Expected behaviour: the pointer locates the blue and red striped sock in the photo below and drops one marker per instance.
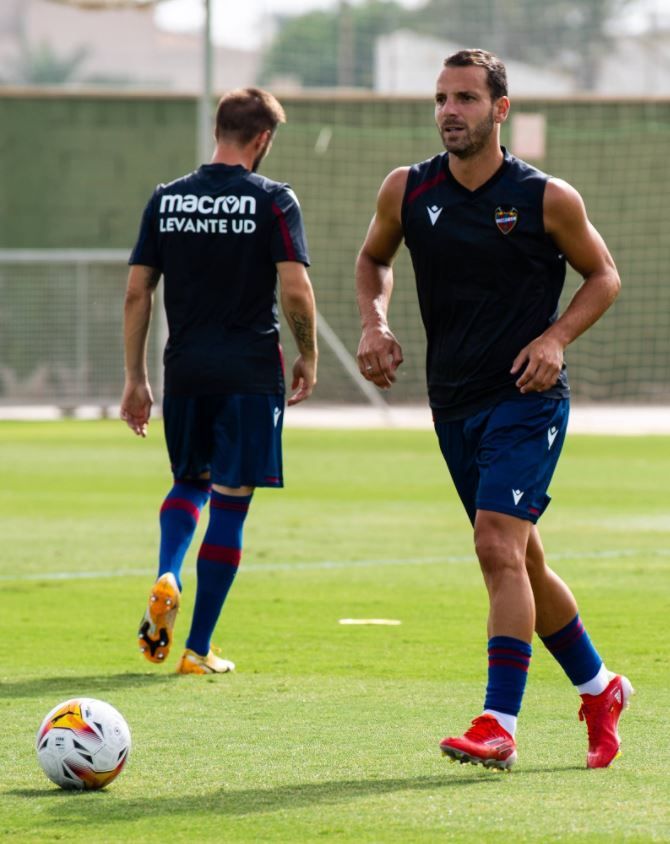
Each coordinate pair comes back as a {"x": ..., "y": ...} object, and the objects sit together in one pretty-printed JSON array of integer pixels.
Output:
[
  {"x": 218, "y": 560},
  {"x": 178, "y": 520},
  {"x": 509, "y": 660},
  {"x": 573, "y": 650}
]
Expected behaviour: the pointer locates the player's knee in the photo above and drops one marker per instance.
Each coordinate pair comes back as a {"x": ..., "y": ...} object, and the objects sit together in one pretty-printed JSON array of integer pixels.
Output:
[
  {"x": 497, "y": 554},
  {"x": 234, "y": 491},
  {"x": 191, "y": 479}
]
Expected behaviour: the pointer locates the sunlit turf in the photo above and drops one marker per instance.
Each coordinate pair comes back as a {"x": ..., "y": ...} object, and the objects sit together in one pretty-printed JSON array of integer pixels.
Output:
[{"x": 325, "y": 731}]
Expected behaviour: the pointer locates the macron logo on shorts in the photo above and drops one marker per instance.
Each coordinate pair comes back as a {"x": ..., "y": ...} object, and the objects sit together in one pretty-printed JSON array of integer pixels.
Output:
[
  {"x": 551, "y": 435},
  {"x": 517, "y": 495}
]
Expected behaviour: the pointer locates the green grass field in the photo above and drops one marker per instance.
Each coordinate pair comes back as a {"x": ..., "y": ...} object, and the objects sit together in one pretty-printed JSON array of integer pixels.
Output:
[{"x": 325, "y": 732}]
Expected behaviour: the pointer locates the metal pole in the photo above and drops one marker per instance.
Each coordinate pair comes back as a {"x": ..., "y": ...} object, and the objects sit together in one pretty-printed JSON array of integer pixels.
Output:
[
  {"x": 82, "y": 363},
  {"x": 205, "y": 140},
  {"x": 341, "y": 352}
]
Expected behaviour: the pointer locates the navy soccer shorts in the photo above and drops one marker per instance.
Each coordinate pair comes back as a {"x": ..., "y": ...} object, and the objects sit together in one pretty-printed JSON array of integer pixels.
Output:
[
  {"x": 503, "y": 458},
  {"x": 236, "y": 438}
]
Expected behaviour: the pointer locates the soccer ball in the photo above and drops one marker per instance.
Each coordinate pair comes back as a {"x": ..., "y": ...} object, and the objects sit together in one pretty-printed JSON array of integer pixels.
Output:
[{"x": 83, "y": 743}]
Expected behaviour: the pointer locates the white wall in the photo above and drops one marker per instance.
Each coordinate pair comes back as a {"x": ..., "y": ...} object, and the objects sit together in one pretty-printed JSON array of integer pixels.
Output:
[{"x": 408, "y": 63}]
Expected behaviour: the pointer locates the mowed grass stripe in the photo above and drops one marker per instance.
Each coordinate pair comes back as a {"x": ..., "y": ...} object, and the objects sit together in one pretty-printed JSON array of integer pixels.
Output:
[{"x": 252, "y": 568}]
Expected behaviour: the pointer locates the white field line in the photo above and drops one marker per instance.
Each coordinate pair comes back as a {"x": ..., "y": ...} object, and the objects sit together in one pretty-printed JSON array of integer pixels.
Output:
[
  {"x": 326, "y": 565},
  {"x": 630, "y": 420}
]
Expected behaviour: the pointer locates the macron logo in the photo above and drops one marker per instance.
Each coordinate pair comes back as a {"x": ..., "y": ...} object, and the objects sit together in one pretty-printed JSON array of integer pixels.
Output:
[
  {"x": 517, "y": 495},
  {"x": 434, "y": 212},
  {"x": 551, "y": 435},
  {"x": 175, "y": 203},
  {"x": 277, "y": 414}
]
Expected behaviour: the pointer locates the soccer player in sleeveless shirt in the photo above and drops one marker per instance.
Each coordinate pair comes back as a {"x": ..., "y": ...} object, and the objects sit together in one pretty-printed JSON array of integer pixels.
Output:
[
  {"x": 220, "y": 237},
  {"x": 489, "y": 236}
]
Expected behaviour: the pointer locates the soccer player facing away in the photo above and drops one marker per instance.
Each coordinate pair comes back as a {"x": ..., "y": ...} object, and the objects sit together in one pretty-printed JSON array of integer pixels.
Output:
[
  {"x": 220, "y": 237},
  {"x": 489, "y": 236}
]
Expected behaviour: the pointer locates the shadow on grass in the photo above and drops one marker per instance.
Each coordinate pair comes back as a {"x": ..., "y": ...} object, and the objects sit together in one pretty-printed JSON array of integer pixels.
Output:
[
  {"x": 102, "y": 806},
  {"x": 85, "y": 685}
]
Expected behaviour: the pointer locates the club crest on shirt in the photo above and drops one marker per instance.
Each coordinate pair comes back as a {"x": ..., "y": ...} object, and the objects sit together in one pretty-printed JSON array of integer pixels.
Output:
[{"x": 506, "y": 219}]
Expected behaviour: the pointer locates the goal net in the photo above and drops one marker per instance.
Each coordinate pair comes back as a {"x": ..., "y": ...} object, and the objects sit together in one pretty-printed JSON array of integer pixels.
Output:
[
  {"x": 60, "y": 318},
  {"x": 590, "y": 104},
  {"x": 337, "y": 153}
]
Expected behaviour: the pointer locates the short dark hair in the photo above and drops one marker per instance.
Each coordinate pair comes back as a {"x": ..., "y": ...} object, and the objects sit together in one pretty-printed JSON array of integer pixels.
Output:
[
  {"x": 246, "y": 112},
  {"x": 496, "y": 75}
]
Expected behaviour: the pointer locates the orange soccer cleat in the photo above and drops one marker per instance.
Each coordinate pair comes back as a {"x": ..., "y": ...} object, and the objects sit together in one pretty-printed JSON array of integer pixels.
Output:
[
  {"x": 601, "y": 713},
  {"x": 194, "y": 663},
  {"x": 485, "y": 743},
  {"x": 155, "y": 633}
]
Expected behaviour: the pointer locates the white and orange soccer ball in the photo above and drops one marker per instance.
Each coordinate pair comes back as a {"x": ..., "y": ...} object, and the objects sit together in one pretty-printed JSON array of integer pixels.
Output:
[{"x": 83, "y": 743}]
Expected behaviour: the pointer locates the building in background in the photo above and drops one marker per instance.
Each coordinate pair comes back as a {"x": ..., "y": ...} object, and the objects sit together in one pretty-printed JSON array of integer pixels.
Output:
[
  {"x": 635, "y": 64},
  {"x": 408, "y": 63},
  {"x": 49, "y": 43}
]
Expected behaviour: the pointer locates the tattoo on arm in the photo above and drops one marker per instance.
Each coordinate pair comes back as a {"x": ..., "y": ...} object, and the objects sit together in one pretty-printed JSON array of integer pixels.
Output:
[{"x": 303, "y": 331}]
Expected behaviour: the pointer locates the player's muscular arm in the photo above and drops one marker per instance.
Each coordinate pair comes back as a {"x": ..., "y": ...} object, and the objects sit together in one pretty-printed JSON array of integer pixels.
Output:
[
  {"x": 297, "y": 300},
  {"x": 566, "y": 222},
  {"x": 379, "y": 353},
  {"x": 137, "y": 397}
]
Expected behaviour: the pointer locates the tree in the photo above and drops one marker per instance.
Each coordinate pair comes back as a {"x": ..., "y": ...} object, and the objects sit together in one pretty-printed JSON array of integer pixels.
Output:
[
  {"x": 567, "y": 35},
  {"x": 330, "y": 48},
  {"x": 41, "y": 65}
]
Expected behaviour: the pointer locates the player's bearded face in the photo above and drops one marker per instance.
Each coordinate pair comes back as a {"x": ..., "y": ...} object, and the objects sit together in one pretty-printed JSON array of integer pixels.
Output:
[{"x": 464, "y": 139}]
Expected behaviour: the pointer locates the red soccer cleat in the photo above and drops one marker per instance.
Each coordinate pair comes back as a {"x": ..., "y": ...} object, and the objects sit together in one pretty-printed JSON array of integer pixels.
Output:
[
  {"x": 601, "y": 713},
  {"x": 485, "y": 743}
]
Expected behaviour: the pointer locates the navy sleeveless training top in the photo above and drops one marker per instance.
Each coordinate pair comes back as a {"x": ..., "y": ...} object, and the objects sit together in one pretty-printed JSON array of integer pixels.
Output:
[
  {"x": 488, "y": 279},
  {"x": 216, "y": 235}
]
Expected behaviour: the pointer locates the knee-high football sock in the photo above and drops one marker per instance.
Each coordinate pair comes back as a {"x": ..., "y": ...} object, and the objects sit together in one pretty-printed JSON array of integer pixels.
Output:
[
  {"x": 509, "y": 660},
  {"x": 218, "y": 560},
  {"x": 178, "y": 520},
  {"x": 573, "y": 650}
]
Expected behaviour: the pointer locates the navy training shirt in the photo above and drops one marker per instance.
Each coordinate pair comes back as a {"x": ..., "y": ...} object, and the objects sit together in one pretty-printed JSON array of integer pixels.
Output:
[
  {"x": 488, "y": 279},
  {"x": 216, "y": 236}
]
